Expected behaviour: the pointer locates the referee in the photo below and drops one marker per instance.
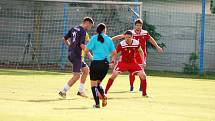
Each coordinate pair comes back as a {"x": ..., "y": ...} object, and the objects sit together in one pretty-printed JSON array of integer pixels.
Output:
[{"x": 102, "y": 47}]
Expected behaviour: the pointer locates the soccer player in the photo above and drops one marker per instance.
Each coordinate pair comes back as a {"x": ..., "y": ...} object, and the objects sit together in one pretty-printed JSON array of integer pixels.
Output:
[
  {"x": 127, "y": 62},
  {"x": 76, "y": 45},
  {"x": 142, "y": 36},
  {"x": 101, "y": 46}
]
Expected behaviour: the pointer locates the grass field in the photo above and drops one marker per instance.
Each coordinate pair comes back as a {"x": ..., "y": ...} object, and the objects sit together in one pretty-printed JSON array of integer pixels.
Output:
[{"x": 32, "y": 96}]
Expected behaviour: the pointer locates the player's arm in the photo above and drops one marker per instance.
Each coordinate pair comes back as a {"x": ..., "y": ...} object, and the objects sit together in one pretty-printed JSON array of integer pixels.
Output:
[
  {"x": 118, "y": 37},
  {"x": 112, "y": 50},
  {"x": 113, "y": 56},
  {"x": 153, "y": 42},
  {"x": 141, "y": 54},
  {"x": 89, "y": 55},
  {"x": 66, "y": 37},
  {"x": 87, "y": 51},
  {"x": 115, "y": 53},
  {"x": 66, "y": 41}
]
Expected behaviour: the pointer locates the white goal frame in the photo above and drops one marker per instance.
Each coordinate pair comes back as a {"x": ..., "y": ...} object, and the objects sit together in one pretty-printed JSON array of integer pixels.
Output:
[{"x": 138, "y": 4}]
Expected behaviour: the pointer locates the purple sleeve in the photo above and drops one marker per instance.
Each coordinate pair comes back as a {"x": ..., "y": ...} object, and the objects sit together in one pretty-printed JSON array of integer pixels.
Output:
[{"x": 68, "y": 35}]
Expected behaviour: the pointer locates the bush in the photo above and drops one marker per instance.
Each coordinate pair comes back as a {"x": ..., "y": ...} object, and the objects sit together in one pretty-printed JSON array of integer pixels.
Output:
[
  {"x": 152, "y": 31},
  {"x": 192, "y": 67}
]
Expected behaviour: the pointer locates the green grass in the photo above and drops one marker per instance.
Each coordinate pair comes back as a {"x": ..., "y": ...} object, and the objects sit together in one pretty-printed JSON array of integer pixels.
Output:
[
  {"x": 32, "y": 96},
  {"x": 207, "y": 75}
]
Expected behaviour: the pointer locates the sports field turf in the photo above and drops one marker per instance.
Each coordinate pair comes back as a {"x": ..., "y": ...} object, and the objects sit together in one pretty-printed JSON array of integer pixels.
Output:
[{"x": 33, "y": 96}]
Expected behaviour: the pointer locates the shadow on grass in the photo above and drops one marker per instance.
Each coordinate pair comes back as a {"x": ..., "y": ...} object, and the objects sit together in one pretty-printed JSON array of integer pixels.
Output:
[
  {"x": 116, "y": 92},
  {"x": 75, "y": 108},
  {"x": 49, "y": 100},
  {"x": 38, "y": 101},
  {"x": 125, "y": 98},
  {"x": 27, "y": 72}
]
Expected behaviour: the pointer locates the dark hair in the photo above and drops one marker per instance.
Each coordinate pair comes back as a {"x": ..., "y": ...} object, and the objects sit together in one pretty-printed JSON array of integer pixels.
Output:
[
  {"x": 89, "y": 19},
  {"x": 128, "y": 33},
  {"x": 99, "y": 29},
  {"x": 138, "y": 21}
]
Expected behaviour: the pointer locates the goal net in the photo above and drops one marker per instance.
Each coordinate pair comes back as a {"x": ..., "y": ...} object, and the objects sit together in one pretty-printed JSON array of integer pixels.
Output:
[{"x": 31, "y": 31}]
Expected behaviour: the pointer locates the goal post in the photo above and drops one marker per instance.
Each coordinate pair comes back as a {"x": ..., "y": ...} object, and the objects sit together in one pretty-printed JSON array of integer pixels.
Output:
[
  {"x": 135, "y": 7},
  {"x": 138, "y": 5},
  {"x": 47, "y": 21}
]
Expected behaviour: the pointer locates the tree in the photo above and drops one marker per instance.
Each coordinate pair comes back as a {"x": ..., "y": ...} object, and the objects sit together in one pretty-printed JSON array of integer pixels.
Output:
[
  {"x": 152, "y": 31},
  {"x": 212, "y": 6}
]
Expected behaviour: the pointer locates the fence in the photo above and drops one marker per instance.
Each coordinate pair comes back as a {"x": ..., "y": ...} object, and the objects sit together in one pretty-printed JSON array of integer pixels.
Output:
[
  {"x": 179, "y": 23},
  {"x": 43, "y": 24}
]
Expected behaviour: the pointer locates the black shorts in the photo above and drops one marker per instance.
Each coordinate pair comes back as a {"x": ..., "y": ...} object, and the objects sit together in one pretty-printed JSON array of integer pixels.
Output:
[{"x": 98, "y": 69}]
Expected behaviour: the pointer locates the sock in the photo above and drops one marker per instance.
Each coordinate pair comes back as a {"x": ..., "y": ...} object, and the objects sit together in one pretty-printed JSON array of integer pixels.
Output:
[
  {"x": 66, "y": 88},
  {"x": 95, "y": 94},
  {"x": 81, "y": 87},
  {"x": 140, "y": 89},
  {"x": 131, "y": 78},
  {"x": 100, "y": 89},
  {"x": 144, "y": 86},
  {"x": 110, "y": 82}
]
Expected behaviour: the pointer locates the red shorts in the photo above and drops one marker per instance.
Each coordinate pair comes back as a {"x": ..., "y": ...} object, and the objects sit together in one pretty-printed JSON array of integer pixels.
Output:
[{"x": 130, "y": 67}]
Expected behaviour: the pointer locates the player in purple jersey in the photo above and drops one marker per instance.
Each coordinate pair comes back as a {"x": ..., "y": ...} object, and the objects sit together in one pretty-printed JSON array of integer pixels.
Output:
[{"x": 76, "y": 45}]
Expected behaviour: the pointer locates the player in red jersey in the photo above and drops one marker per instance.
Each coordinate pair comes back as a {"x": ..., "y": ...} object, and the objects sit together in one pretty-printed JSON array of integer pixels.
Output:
[
  {"x": 142, "y": 36},
  {"x": 127, "y": 62}
]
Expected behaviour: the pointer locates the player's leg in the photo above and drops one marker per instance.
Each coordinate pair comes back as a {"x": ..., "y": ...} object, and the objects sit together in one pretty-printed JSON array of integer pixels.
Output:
[
  {"x": 69, "y": 84},
  {"x": 76, "y": 75},
  {"x": 85, "y": 72},
  {"x": 142, "y": 76},
  {"x": 104, "y": 66},
  {"x": 101, "y": 94},
  {"x": 137, "y": 69},
  {"x": 144, "y": 66},
  {"x": 95, "y": 93},
  {"x": 131, "y": 79},
  {"x": 94, "y": 82},
  {"x": 119, "y": 67},
  {"x": 101, "y": 77},
  {"x": 111, "y": 79},
  {"x": 98, "y": 71},
  {"x": 140, "y": 88}
]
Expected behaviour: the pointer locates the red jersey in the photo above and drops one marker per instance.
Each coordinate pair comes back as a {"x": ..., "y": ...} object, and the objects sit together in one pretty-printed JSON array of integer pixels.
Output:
[
  {"x": 142, "y": 37},
  {"x": 128, "y": 51}
]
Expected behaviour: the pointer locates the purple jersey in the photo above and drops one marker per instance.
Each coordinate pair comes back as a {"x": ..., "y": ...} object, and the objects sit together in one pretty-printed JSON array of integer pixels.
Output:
[{"x": 77, "y": 37}]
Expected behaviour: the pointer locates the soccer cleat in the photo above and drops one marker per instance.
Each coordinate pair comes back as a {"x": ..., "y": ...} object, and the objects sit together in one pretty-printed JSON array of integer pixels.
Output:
[
  {"x": 131, "y": 89},
  {"x": 62, "y": 94},
  {"x": 104, "y": 101},
  {"x": 96, "y": 106},
  {"x": 82, "y": 94},
  {"x": 146, "y": 96}
]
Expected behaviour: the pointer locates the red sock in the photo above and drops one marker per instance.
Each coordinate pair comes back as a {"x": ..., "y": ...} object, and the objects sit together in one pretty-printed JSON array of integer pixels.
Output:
[
  {"x": 131, "y": 78},
  {"x": 110, "y": 82},
  {"x": 144, "y": 86}
]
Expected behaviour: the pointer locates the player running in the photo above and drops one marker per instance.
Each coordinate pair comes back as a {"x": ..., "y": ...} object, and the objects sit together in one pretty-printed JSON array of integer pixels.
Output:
[
  {"x": 142, "y": 36},
  {"x": 76, "y": 45},
  {"x": 127, "y": 62}
]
